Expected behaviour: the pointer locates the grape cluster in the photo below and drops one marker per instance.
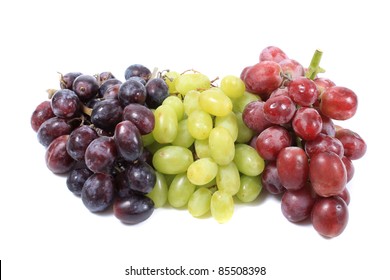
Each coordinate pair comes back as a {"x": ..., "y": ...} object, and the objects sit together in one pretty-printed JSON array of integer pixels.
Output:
[{"x": 308, "y": 157}]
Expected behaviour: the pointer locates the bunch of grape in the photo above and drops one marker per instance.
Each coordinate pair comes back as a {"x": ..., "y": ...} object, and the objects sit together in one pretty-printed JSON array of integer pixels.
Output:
[{"x": 308, "y": 157}]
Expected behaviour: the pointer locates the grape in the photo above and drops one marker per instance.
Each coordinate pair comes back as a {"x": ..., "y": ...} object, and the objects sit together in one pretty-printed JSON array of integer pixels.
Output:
[
  {"x": 106, "y": 114},
  {"x": 109, "y": 88},
  {"x": 328, "y": 126},
  {"x": 254, "y": 117},
  {"x": 57, "y": 159},
  {"x": 76, "y": 179},
  {"x": 279, "y": 109},
  {"x": 122, "y": 186},
  {"x": 51, "y": 129},
  {"x": 297, "y": 204},
  {"x": 354, "y": 145},
  {"x": 141, "y": 116},
  {"x": 345, "y": 196},
  {"x": 228, "y": 178},
  {"x": 199, "y": 202},
  {"x": 66, "y": 81},
  {"x": 177, "y": 104},
  {"x": 221, "y": 145},
  {"x": 202, "y": 148},
  {"x": 307, "y": 123},
  {"x": 240, "y": 103},
  {"x": 232, "y": 86},
  {"x": 132, "y": 91},
  {"x": 191, "y": 102},
  {"x": 183, "y": 137},
  {"x": 292, "y": 68},
  {"x": 138, "y": 70},
  {"x": 104, "y": 76},
  {"x": 141, "y": 177},
  {"x": 169, "y": 78},
  {"x": 248, "y": 160},
  {"x": 199, "y": 124},
  {"x": 133, "y": 209},
  {"x": 191, "y": 81},
  {"x": 215, "y": 102},
  {"x": 180, "y": 191},
  {"x": 293, "y": 167},
  {"x": 221, "y": 206},
  {"x": 250, "y": 188},
  {"x": 86, "y": 87},
  {"x": 338, "y": 103},
  {"x": 159, "y": 193},
  {"x": 271, "y": 141},
  {"x": 323, "y": 143},
  {"x": 65, "y": 104},
  {"x": 348, "y": 167},
  {"x": 303, "y": 91},
  {"x": 172, "y": 159},
  {"x": 272, "y": 53},
  {"x": 42, "y": 113},
  {"x": 101, "y": 154},
  {"x": 229, "y": 122},
  {"x": 202, "y": 171},
  {"x": 79, "y": 140},
  {"x": 270, "y": 179},
  {"x": 327, "y": 174},
  {"x": 98, "y": 192},
  {"x": 330, "y": 216},
  {"x": 323, "y": 84},
  {"x": 156, "y": 92},
  {"x": 244, "y": 133},
  {"x": 166, "y": 124},
  {"x": 128, "y": 140}
]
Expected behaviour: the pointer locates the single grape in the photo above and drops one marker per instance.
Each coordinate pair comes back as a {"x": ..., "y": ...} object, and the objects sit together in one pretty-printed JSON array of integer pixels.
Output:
[
  {"x": 248, "y": 160},
  {"x": 323, "y": 84},
  {"x": 339, "y": 103},
  {"x": 180, "y": 191},
  {"x": 297, "y": 204},
  {"x": 250, "y": 188},
  {"x": 200, "y": 124},
  {"x": 254, "y": 118},
  {"x": 76, "y": 179},
  {"x": 101, "y": 154},
  {"x": 109, "y": 88},
  {"x": 221, "y": 145},
  {"x": 106, "y": 114},
  {"x": 141, "y": 116},
  {"x": 202, "y": 149},
  {"x": 177, "y": 104},
  {"x": 156, "y": 92},
  {"x": 244, "y": 134},
  {"x": 132, "y": 91},
  {"x": 272, "y": 53},
  {"x": 354, "y": 145},
  {"x": 215, "y": 102},
  {"x": 133, "y": 209},
  {"x": 98, "y": 192},
  {"x": 221, "y": 206},
  {"x": 328, "y": 126},
  {"x": 122, "y": 186},
  {"x": 330, "y": 216},
  {"x": 279, "y": 109},
  {"x": 79, "y": 140},
  {"x": 141, "y": 177},
  {"x": 191, "y": 81},
  {"x": 138, "y": 70},
  {"x": 228, "y": 178},
  {"x": 104, "y": 76},
  {"x": 159, "y": 193},
  {"x": 166, "y": 124},
  {"x": 345, "y": 196},
  {"x": 169, "y": 78},
  {"x": 202, "y": 171},
  {"x": 42, "y": 113},
  {"x": 232, "y": 86},
  {"x": 307, "y": 123},
  {"x": 229, "y": 122},
  {"x": 183, "y": 137},
  {"x": 172, "y": 159},
  {"x": 292, "y": 68},
  {"x": 271, "y": 141},
  {"x": 270, "y": 179},
  {"x": 86, "y": 87},
  {"x": 323, "y": 143},
  {"x": 199, "y": 202},
  {"x": 57, "y": 159},
  {"x": 66, "y": 81},
  {"x": 51, "y": 129},
  {"x": 349, "y": 167},
  {"x": 191, "y": 102},
  {"x": 65, "y": 104},
  {"x": 128, "y": 140},
  {"x": 303, "y": 91},
  {"x": 241, "y": 102}
]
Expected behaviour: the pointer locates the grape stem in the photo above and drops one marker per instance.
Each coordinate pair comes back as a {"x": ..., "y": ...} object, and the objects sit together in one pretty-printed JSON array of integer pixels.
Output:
[{"x": 314, "y": 67}]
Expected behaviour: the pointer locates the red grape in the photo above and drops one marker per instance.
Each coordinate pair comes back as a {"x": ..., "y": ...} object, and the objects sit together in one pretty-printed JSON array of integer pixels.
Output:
[
  {"x": 279, "y": 109},
  {"x": 271, "y": 141},
  {"x": 307, "y": 123},
  {"x": 297, "y": 204},
  {"x": 270, "y": 179},
  {"x": 303, "y": 91},
  {"x": 42, "y": 113},
  {"x": 272, "y": 53},
  {"x": 338, "y": 103},
  {"x": 354, "y": 145},
  {"x": 253, "y": 116},
  {"x": 57, "y": 158}
]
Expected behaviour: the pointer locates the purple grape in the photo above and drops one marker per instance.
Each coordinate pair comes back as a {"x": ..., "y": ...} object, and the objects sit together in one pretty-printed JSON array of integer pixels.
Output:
[
  {"x": 157, "y": 91},
  {"x": 133, "y": 209},
  {"x": 42, "y": 113},
  {"x": 137, "y": 70},
  {"x": 66, "y": 81},
  {"x": 132, "y": 91},
  {"x": 141, "y": 116},
  {"x": 101, "y": 154},
  {"x": 128, "y": 140},
  {"x": 65, "y": 103},
  {"x": 51, "y": 129},
  {"x": 141, "y": 177},
  {"x": 76, "y": 179},
  {"x": 98, "y": 192},
  {"x": 109, "y": 88},
  {"x": 57, "y": 159},
  {"x": 79, "y": 140},
  {"x": 106, "y": 114},
  {"x": 86, "y": 87}
]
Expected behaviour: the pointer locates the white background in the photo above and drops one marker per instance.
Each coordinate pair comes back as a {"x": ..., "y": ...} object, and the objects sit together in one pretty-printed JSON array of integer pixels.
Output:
[{"x": 46, "y": 232}]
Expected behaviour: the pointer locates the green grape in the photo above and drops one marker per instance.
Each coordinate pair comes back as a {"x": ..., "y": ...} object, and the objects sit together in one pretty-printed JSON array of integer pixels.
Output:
[
  {"x": 202, "y": 171},
  {"x": 232, "y": 86},
  {"x": 159, "y": 193},
  {"x": 222, "y": 206},
  {"x": 200, "y": 124},
  {"x": 228, "y": 178},
  {"x": 166, "y": 124},
  {"x": 248, "y": 160},
  {"x": 147, "y": 139},
  {"x": 209, "y": 185},
  {"x": 191, "y": 102},
  {"x": 229, "y": 122},
  {"x": 250, "y": 188},
  {"x": 154, "y": 146},
  {"x": 202, "y": 149},
  {"x": 180, "y": 191},
  {"x": 240, "y": 103},
  {"x": 215, "y": 102},
  {"x": 191, "y": 81},
  {"x": 169, "y": 79},
  {"x": 221, "y": 145},
  {"x": 172, "y": 159},
  {"x": 199, "y": 202},
  {"x": 245, "y": 134},
  {"x": 183, "y": 138},
  {"x": 176, "y": 104}
]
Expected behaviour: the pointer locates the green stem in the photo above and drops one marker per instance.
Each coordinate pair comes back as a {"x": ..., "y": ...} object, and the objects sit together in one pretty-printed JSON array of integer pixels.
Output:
[{"x": 314, "y": 67}]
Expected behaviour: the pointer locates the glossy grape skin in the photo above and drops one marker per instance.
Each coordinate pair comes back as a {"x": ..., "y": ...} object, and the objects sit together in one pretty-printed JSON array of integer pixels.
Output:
[
  {"x": 172, "y": 159},
  {"x": 141, "y": 116},
  {"x": 339, "y": 103},
  {"x": 263, "y": 78},
  {"x": 254, "y": 118},
  {"x": 327, "y": 174},
  {"x": 42, "y": 113},
  {"x": 349, "y": 167},
  {"x": 101, "y": 154},
  {"x": 51, "y": 129},
  {"x": 272, "y": 53},
  {"x": 141, "y": 177},
  {"x": 199, "y": 202},
  {"x": 166, "y": 124},
  {"x": 354, "y": 145},
  {"x": 180, "y": 190},
  {"x": 307, "y": 123},
  {"x": 292, "y": 68},
  {"x": 271, "y": 141},
  {"x": 132, "y": 91},
  {"x": 250, "y": 188},
  {"x": 109, "y": 88},
  {"x": 323, "y": 84},
  {"x": 57, "y": 159},
  {"x": 157, "y": 91},
  {"x": 323, "y": 143},
  {"x": 76, "y": 179},
  {"x": 303, "y": 91},
  {"x": 297, "y": 204},
  {"x": 122, "y": 186},
  {"x": 104, "y": 76},
  {"x": 128, "y": 140},
  {"x": 221, "y": 206},
  {"x": 66, "y": 81},
  {"x": 106, "y": 114},
  {"x": 293, "y": 167},
  {"x": 138, "y": 70},
  {"x": 270, "y": 179},
  {"x": 330, "y": 216},
  {"x": 133, "y": 209},
  {"x": 345, "y": 195},
  {"x": 86, "y": 87},
  {"x": 328, "y": 126},
  {"x": 279, "y": 109},
  {"x": 159, "y": 193},
  {"x": 98, "y": 192},
  {"x": 79, "y": 140},
  {"x": 65, "y": 104}
]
